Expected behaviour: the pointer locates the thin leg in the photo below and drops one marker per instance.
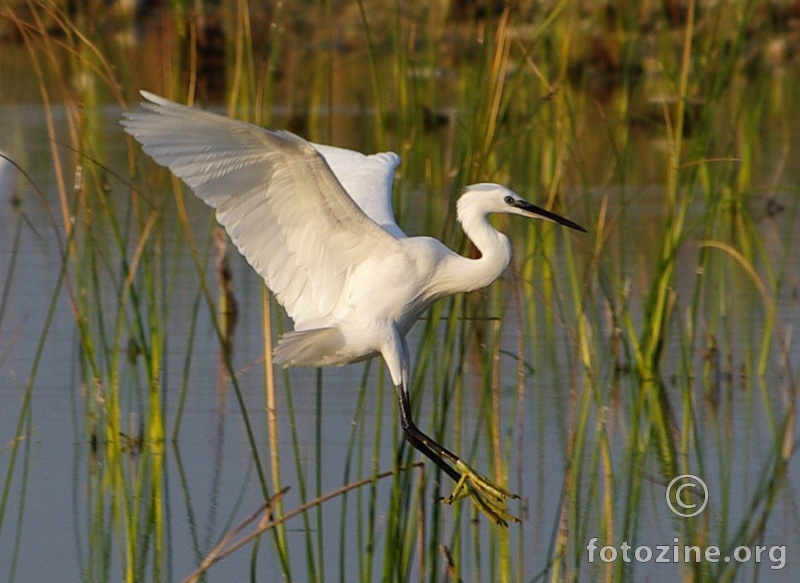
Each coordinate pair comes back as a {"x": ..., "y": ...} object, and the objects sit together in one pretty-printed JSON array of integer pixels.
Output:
[
  {"x": 422, "y": 442},
  {"x": 488, "y": 497}
]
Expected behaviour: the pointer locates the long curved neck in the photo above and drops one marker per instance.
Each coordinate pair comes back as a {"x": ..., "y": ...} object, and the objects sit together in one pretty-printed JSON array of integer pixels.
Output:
[{"x": 471, "y": 274}]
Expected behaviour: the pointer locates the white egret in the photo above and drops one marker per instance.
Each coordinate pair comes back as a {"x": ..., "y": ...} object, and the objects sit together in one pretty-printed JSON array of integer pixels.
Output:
[{"x": 316, "y": 223}]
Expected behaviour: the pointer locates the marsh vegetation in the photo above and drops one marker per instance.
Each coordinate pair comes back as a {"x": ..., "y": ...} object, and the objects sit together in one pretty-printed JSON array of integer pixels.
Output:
[{"x": 145, "y": 434}]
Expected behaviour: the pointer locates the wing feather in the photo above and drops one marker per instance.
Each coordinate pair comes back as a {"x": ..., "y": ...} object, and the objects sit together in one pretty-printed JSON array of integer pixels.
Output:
[
  {"x": 276, "y": 196},
  {"x": 368, "y": 180}
]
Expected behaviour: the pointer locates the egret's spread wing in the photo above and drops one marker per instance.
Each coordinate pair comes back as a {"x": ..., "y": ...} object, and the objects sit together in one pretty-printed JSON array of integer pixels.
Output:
[
  {"x": 368, "y": 180},
  {"x": 275, "y": 195}
]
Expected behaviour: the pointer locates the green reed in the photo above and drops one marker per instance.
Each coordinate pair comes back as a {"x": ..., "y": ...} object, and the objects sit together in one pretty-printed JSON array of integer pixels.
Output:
[
  {"x": 19, "y": 448},
  {"x": 670, "y": 428},
  {"x": 93, "y": 257},
  {"x": 645, "y": 374}
]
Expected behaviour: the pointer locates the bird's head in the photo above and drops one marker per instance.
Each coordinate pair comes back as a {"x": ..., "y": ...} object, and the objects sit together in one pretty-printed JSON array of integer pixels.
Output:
[{"x": 486, "y": 198}]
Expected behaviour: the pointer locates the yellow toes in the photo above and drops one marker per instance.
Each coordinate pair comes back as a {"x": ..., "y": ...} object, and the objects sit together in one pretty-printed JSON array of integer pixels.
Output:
[{"x": 487, "y": 496}]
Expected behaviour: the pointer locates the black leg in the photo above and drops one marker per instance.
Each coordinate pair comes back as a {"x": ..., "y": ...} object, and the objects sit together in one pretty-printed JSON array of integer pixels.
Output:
[
  {"x": 422, "y": 442},
  {"x": 488, "y": 497}
]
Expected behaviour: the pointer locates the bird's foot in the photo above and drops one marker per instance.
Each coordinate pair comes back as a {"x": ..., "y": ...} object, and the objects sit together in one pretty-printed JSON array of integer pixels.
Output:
[{"x": 487, "y": 496}]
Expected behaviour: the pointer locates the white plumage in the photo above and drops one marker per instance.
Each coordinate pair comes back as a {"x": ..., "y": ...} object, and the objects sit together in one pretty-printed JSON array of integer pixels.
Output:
[{"x": 316, "y": 223}]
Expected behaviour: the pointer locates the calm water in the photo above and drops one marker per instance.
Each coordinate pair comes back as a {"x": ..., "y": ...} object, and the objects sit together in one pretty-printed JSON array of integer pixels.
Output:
[{"x": 209, "y": 478}]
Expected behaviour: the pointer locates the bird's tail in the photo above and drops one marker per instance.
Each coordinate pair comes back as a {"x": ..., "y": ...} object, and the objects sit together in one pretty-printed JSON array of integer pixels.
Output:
[{"x": 308, "y": 347}]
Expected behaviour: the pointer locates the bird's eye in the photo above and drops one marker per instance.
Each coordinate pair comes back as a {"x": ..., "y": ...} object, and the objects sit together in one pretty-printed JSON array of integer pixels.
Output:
[{"x": 509, "y": 199}]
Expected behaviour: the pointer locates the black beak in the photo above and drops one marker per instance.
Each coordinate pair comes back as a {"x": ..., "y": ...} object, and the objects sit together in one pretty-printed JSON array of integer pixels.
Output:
[{"x": 546, "y": 214}]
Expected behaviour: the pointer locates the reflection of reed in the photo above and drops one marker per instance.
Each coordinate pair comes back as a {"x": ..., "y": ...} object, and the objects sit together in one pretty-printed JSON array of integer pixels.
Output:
[
  {"x": 228, "y": 308},
  {"x": 228, "y": 317}
]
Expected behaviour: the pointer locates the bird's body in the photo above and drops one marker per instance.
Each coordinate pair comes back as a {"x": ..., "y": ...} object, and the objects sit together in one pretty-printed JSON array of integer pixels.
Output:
[
  {"x": 359, "y": 333},
  {"x": 316, "y": 223}
]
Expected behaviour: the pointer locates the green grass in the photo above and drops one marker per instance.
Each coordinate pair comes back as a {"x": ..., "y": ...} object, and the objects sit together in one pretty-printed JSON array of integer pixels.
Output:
[{"x": 656, "y": 345}]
